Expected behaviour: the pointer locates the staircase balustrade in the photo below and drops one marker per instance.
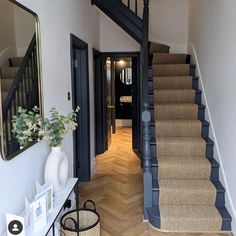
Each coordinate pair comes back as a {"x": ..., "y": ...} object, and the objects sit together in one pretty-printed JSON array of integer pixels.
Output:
[{"x": 23, "y": 92}]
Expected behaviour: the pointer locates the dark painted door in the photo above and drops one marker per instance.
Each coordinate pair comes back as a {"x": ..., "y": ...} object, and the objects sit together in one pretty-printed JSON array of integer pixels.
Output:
[
  {"x": 108, "y": 101},
  {"x": 80, "y": 95},
  {"x": 100, "y": 134},
  {"x": 135, "y": 104}
]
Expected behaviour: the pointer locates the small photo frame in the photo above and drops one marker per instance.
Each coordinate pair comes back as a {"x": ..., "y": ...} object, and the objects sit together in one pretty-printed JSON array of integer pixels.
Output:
[
  {"x": 48, "y": 193},
  {"x": 39, "y": 213}
]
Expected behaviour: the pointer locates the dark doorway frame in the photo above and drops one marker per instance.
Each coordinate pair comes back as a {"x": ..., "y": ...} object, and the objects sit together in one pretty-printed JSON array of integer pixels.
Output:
[
  {"x": 80, "y": 97},
  {"x": 100, "y": 99},
  {"x": 100, "y": 144}
]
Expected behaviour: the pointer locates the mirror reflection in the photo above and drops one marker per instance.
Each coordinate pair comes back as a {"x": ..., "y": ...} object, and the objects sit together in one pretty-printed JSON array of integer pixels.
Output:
[
  {"x": 19, "y": 67},
  {"x": 126, "y": 76}
]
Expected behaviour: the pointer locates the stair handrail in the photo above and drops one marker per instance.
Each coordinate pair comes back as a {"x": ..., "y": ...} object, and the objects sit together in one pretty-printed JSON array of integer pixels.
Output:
[
  {"x": 19, "y": 77},
  {"x": 146, "y": 115}
]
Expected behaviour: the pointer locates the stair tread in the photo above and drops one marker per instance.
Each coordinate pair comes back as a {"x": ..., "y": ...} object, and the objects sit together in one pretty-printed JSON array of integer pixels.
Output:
[
  {"x": 186, "y": 77},
  {"x": 201, "y": 106},
  {"x": 182, "y": 120},
  {"x": 158, "y": 48},
  {"x": 16, "y": 61},
  {"x": 198, "y": 168},
  {"x": 190, "y": 212},
  {"x": 179, "y": 184},
  {"x": 181, "y": 139},
  {"x": 169, "y": 58},
  {"x": 175, "y": 90},
  {"x": 154, "y": 215},
  {"x": 9, "y": 72},
  {"x": 173, "y": 160},
  {"x": 184, "y": 139}
]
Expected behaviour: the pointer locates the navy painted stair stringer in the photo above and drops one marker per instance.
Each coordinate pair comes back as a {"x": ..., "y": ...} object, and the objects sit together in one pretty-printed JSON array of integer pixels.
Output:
[{"x": 123, "y": 16}]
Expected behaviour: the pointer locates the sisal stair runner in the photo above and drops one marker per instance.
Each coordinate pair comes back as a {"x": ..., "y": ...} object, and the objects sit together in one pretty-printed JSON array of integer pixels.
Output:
[
  {"x": 8, "y": 74},
  {"x": 187, "y": 196}
]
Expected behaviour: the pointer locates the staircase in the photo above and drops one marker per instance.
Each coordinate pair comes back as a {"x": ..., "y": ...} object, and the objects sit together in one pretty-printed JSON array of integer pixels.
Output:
[
  {"x": 7, "y": 75},
  {"x": 186, "y": 192},
  {"x": 19, "y": 87},
  {"x": 182, "y": 191}
]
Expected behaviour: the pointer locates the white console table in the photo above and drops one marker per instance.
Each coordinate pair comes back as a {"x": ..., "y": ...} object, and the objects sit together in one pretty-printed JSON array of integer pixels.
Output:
[{"x": 59, "y": 201}]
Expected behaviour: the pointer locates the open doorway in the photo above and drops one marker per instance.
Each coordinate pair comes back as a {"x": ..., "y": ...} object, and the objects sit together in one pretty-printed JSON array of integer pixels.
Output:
[{"x": 117, "y": 102}]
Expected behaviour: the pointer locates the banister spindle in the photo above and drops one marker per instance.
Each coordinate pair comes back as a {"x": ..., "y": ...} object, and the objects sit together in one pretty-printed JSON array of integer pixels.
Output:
[{"x": 136, "y": 7}]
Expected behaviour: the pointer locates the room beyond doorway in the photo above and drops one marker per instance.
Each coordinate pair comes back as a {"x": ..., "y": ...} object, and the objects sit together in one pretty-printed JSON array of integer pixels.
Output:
[{"x": 116, "y": 96}]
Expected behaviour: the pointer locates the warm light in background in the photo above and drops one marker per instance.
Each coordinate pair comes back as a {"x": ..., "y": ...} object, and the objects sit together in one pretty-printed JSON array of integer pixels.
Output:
[{"x": 121, "y": 62}]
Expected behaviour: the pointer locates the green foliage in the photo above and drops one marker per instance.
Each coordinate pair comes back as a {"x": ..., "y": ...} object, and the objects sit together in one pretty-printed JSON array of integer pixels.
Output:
[
  {"x": 58, "y": 126},
  {"x": 27, "y": 126}
]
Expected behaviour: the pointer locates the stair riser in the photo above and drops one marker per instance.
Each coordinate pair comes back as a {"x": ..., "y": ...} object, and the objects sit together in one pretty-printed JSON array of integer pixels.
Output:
[
  {"x": 201, "y": 113},
  {"x": 192, "y": 71},
  {"x": 209, "y": 150},
  {"x": 204, "y": 131},
  {"x": 194, "y": 83},
  {"x": 214, "y": 173},
  {"x": 198, "y": 97},
  {"x": 219, "y": 202}
]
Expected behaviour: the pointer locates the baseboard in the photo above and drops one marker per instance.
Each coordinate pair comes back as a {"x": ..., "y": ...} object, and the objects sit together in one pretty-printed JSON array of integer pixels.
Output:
[
  {"x": 123, "y": 123},
  {"x": 93, "y": 167},
  {"x": 223, "y": 179}
]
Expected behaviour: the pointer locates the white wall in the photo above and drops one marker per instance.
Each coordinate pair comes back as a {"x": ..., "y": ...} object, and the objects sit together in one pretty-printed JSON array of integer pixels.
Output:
[
  {"x": 24, "y": 29},
  {"x": 7, "y": 29},
  {"x": 113, "y": 38},
  {"x": 58, "y": 18},
  {"x": 168, "y": 24},
  {"x": 212, "y": 38}
]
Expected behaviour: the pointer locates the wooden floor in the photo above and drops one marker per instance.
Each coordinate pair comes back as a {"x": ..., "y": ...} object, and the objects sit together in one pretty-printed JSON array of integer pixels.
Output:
[{"x": 117, "y": 190}]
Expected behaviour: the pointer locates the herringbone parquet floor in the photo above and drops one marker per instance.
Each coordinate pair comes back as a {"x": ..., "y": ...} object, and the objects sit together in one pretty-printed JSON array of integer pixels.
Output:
[{"x": 117, "y": 190}]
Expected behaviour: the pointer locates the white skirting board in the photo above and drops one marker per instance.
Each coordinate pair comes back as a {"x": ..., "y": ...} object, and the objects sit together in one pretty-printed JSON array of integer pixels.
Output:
[
  {"x": 123, "y": 123},
  {"x": 218, "y": 157}
]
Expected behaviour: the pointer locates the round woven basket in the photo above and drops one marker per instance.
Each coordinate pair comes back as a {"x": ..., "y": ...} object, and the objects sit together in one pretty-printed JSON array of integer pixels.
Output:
[{"x": 89, "y": 222}]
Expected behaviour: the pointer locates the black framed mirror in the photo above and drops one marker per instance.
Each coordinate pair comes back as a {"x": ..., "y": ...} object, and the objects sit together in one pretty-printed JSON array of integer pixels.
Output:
[{"x": 20, "y": 70}]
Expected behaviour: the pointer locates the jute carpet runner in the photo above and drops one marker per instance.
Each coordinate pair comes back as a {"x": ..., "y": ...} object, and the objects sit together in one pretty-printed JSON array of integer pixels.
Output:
[{"x": 186, "y": 194}]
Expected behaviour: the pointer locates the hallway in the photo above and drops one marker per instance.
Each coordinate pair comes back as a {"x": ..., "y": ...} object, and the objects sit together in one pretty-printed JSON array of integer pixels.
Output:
[{"x": 117, "y": 190}]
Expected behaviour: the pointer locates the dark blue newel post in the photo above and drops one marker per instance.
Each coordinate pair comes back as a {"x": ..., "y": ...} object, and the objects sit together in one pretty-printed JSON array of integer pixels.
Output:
[
  {"x": 147, "y": 171},
  {"x": 146, "y": 115}
]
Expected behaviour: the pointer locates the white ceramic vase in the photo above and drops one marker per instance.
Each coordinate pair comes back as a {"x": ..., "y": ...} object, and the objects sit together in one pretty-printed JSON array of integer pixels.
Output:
[{"x": 56, "y": 169}]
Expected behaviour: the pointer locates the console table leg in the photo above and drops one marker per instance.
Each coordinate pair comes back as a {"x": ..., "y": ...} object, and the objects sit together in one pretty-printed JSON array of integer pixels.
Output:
[
  {"x": 77, "y": 204},
  {"x": 53, "y": 229}
]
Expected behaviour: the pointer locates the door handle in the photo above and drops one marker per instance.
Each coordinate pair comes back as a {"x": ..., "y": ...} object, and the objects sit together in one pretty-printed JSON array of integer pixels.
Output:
[{"x": 111, "y": 107}]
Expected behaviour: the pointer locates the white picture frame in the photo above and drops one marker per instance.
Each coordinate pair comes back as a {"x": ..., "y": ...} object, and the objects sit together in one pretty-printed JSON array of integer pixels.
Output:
[
  {"x": 48, "y": 193},
  {"x": 39, "y": 213}
]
